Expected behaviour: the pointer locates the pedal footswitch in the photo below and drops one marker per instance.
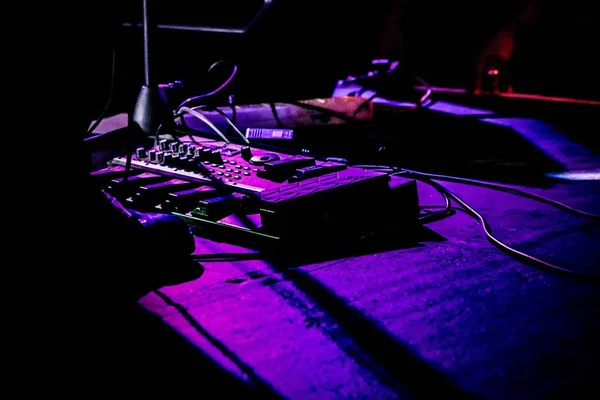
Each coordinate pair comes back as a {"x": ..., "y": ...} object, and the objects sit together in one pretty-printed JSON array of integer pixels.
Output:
[
  {"x": 284, "y": 168},
  {"x": 147, "y": 193},
  {"x": 217, "y": 207},
  {"x": 119, "y": 187},
  {"x": 186, "y": 200},
  {"x": 317, "y": 170}
]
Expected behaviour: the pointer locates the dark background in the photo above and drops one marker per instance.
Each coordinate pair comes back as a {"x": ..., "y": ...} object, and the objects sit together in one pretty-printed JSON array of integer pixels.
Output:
[{"x": 298, "y": 49}]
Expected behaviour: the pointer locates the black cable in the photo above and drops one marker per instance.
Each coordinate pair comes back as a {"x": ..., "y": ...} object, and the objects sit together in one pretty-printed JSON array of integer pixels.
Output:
[
  {"x": 503, "y": 188},
  {"x": 201, "y": 117},
  {"x": 484, "y": 184},
  {"x": 448, "y": 195},
  {"x": 231, "y": 102},
  {"x": 424, "y": 219},
  {"x": 157, "y": 134},
  {"x": 276, "y": 114},
  {"x": 220, "y": 88},
  {"x": 216, "y": 130},
  {"x": 438, "y": 215},
  {"x": 503, "y": 246},
  {"x": 111, "y": 92},
  {"x": 364, "y": 104}
]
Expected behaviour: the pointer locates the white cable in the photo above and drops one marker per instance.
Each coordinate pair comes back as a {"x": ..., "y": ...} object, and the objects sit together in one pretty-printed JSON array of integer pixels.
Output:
[
  {"x": 202, "y": 118},
  {"x": 228, "y": 120},
  {"x": 236, "y": 130}
]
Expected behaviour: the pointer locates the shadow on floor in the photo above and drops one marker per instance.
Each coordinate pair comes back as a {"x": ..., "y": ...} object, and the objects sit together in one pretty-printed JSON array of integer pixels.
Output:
[
  {"x": 392, "y": 362},
  {"x": 302, "y": 255},
  {"x": 363, "y": 339},
  {"x": 163, "y": 360}
]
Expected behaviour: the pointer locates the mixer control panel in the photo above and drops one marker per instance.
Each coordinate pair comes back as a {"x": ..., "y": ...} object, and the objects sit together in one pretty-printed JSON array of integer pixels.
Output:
[{"x": 231, "y": 188}]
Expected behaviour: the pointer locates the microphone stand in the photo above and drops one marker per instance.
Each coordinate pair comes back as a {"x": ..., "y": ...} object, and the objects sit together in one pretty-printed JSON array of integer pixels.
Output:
[{"x": 151, "y": 110}]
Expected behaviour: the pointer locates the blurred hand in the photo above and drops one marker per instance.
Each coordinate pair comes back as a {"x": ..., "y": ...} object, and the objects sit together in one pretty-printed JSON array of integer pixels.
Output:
[{"x": 499, "y": 49}]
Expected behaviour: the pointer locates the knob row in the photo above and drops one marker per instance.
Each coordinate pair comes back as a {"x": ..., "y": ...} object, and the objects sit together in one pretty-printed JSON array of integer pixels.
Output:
[{"x": 198, "y": 152}]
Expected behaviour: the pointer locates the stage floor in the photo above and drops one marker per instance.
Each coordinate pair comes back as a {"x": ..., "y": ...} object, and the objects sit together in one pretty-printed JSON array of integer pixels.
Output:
[{"x": 449, "y": 316}]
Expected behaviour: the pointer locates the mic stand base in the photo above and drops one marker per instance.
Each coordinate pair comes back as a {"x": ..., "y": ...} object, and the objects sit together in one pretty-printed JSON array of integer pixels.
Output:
[{"x": 152, "y": 111}]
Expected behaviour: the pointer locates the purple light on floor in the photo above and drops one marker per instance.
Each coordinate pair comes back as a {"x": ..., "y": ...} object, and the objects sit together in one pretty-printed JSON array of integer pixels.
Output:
[
  {"x": 583, "y": 175},
  {"x": 459, "y": 110},
  {"x": 553, "y": 143}
]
